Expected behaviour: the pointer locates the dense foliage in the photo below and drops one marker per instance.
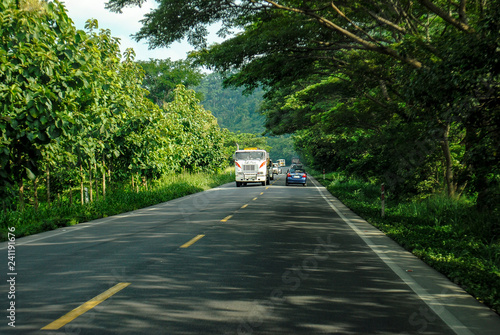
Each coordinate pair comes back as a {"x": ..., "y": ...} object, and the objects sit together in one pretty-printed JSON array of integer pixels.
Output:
[
  {"x": 73, "y": 112},
  {"x": 233, "y": 109},
  {"x": 239, "y": 112},
  {"x": 161, "y": 77},
  {"x": 403, "y": 92}
]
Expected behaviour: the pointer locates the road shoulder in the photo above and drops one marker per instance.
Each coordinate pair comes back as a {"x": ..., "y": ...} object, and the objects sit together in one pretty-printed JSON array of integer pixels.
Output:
[{"x": 462, "y": 312}]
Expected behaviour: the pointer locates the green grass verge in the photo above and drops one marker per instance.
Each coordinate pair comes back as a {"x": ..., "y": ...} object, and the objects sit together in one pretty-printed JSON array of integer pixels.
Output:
[
  {"x": 61, "y": 213},
  {"x": 449, "y": 235}
]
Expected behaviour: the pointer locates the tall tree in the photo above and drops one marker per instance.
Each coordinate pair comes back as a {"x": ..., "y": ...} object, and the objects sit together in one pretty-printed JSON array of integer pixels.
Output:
[
  {"x": 435, "y": 60},
  {"x": 41, "y": 59},
  {"x": 163, "y": 75}
]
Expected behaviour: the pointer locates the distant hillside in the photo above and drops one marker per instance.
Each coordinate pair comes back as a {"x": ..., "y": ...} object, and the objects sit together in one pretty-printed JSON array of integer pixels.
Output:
[
  {"x": 232, "y": 109},
  {"x": 239, "y": 113}
]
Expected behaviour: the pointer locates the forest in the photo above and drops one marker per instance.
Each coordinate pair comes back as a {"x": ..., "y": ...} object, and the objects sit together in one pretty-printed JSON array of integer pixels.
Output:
[
  {"x": 404, "y": 92},
  {"x": 80, "y": 120},
  {"x": 240, "y": 113},
  {"x": 72, "y": 109}
]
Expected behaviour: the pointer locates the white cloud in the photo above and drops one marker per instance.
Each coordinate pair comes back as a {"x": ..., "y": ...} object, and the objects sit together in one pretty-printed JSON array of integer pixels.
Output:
[{"x": 122, "y": 26}]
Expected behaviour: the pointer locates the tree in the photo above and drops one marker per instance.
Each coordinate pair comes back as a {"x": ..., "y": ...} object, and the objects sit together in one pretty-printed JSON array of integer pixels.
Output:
[
  {"x": 40, "y": 80},
  {"x": 73, "y": 111},
  {"x": 163, "y": 75},
  {"x": 233, "y": 109},
  {"x": 441, "y": 58},
  {"x": 202, "y": 140}
]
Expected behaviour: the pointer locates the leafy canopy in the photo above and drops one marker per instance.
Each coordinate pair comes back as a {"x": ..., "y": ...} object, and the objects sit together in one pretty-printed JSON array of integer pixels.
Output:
[{"x": 359, "y": 70}]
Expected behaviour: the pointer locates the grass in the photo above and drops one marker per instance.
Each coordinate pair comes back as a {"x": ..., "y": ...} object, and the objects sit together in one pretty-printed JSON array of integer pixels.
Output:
[
  {"x": 61, "y": 214},
  {"x": 449, "y": 235}
]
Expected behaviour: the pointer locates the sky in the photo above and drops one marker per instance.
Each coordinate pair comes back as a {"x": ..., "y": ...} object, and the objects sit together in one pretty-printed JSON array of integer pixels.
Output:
[{"x": 123, "y": 25}]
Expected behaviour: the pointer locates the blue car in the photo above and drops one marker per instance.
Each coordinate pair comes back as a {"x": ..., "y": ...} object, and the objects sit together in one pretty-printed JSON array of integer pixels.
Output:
[{"x": 296, "y": 176}]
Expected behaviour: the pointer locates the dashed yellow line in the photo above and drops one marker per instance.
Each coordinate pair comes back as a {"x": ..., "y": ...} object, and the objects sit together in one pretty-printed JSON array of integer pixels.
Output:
[
  {"x": 188, "y": 244},
  {"x": 85, "y": 307},
  {"x": 226, "y": 218},
  {"x": 57, "y": 324}
]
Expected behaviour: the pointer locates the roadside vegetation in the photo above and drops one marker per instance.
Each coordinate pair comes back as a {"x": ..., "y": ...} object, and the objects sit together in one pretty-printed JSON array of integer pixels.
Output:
[
  {"x": 64, "y": 212},
  {"x": 87, "y": 131},
  {"x": 450, "y": 235}
]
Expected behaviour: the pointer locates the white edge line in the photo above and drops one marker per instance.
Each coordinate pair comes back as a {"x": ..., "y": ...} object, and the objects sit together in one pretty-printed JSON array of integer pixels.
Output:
[
  {"x": 90, "y": 223},
  {"x": 70, "y": 229},
  {"x": 440, "y": 310}
]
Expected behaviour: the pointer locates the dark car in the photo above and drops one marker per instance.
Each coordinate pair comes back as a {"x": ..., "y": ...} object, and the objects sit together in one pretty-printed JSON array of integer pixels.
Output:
[
  {"x": 296, "y": 176},
  {"x": 297, "y": 166}
]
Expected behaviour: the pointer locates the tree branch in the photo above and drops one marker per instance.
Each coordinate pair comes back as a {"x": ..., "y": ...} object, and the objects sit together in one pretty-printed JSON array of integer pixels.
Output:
[
  {"x": 353, "y": 24},
  {"x": 368, "y": 45},
  {"x": 403, "y": 14},
  {"x": 461, "y": 11},
  {"x": 445, "y": 16},
  {"x": 386, "y": 22}
]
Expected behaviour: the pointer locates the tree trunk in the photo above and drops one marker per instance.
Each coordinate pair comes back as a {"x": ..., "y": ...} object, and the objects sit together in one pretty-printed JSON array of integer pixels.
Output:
[
  {"x": 448, "y": 175},
  {"x": 81, "y": 184},
  {"x": 71, "y": 196},
  {"x": 487, "y": 198},
  {"x": 90, "y": 184},
  {"x": 103, "y": 179},
  {"x": 35, "y": 186},
  {"x": 96, "y": 183},
  {"x": 21, "y": 195},
  {"x": 48, "y": 186}
]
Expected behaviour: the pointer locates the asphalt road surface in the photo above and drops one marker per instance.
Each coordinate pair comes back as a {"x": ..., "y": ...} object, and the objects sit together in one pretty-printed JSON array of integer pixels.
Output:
[{"x": 248, "y": 260}]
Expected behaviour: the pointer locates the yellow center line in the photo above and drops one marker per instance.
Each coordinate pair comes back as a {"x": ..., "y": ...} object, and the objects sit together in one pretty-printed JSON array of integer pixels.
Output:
[
  {"x": 244, "y": 206},
  {"x": 261, "y": 193},
  {"x": 255, "y": 198},
  {"x": 85, "y": 307},
  {"x": 188, "y": 244},
  {"x": 226, "y": 218}
]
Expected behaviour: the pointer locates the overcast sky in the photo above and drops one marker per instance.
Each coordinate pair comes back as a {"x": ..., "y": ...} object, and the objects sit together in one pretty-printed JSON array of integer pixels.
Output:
[{"x": 122, "y": 26}]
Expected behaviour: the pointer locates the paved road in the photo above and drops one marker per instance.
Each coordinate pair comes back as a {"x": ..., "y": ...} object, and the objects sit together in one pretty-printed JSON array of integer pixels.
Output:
[{"x": 249, "y": 260}]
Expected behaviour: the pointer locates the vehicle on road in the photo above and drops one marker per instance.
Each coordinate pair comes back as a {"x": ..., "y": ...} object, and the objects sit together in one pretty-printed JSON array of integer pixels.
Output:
[
  {"x": 296, "y": 176},
  {"x": 276, "y": 168},
  {"x": 252, "y": 165},
  {"x": 281, "y": 162},
  {"x": 297, "y": 166}
]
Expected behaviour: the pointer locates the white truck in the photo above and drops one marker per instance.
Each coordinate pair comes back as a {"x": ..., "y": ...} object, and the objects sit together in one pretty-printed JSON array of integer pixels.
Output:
[{"x": 252, "y": 165}]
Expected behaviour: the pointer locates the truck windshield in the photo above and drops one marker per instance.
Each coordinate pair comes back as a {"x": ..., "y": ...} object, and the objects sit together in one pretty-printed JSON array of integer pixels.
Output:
[{"x": 249, "y": 155}]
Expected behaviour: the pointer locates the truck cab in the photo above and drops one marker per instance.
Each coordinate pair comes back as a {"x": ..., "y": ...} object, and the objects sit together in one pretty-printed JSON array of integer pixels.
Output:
[{"x": 252, "y": 165}]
